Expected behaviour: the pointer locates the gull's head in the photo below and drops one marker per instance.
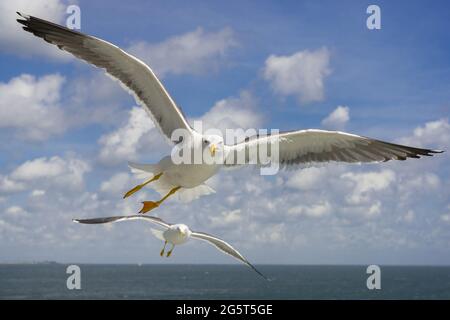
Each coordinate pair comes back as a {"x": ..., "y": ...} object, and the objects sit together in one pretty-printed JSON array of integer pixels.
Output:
[
  {"x": 183, "y": 229},
  {"x": 213, "y": 143}
]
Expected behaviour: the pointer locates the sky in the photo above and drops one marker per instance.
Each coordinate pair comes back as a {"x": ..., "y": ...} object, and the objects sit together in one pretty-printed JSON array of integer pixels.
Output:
[{"x": 67, "y": 131}]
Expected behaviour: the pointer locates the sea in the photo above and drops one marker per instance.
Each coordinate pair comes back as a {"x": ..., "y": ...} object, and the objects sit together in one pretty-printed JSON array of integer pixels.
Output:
[{"x": 49, "y": 281}]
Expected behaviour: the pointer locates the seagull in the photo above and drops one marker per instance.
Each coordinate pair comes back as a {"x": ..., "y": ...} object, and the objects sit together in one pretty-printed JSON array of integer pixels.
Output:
[
  {"x": 168, "y": 177},
  {"x": 175, "y": 234}
]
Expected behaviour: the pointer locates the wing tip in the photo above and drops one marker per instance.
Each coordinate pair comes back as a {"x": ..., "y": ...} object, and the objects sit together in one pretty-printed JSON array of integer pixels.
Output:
[
  {"x": 259, "y": 272},
  {"x": 23, "y": 15},
  {"x": 23, "y": 19},
  {"x": 76, "y": 220}
]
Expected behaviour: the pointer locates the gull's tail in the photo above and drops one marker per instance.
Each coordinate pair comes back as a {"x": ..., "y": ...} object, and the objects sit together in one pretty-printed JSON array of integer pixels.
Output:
[{"x": 144, "y": 171}]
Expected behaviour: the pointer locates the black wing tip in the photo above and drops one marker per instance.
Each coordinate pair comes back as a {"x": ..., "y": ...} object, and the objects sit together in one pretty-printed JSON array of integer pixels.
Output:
[
  {"x": 257, "y": 271},
  {"x": 261, "y": 274},
  {"x": 25, "y": 21},
  {"x": 24, "y": 18},
  {"x": 430, "y": 152}
]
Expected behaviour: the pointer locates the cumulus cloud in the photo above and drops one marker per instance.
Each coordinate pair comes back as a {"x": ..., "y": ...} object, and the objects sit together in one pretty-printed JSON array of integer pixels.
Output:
[
  {"x": 226, "y": 218},
  {"x": 124, "y": 143},
  {"x": 8, "y": 185},
  {"x": 337, "y": 119},
  {"x": 15, "y": 211},
  {"x": 307, "y": 179},
  {"x": 446, "y": 217},
  {"x": 301, "y": 74},
  {"x": 30, "y": 106},
  {"x": 15, "y": 40},
  {"x": 316, "y": 210},
  {"x": 365, "y": 184},
  {"x": 37, "y": 193},
  {"x": 103, "y": 105},
  {"x": 117, "y": 183},
  {"x": 233, "y": 113},
  {"x": 408, "y": 217},
  {"x": 52, "y": 172},
  {"x": 433, "y": 133},
  {"x": 194, "y": 52}
]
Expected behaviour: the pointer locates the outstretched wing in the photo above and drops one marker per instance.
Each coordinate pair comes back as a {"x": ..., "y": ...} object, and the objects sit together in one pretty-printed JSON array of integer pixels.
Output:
[
  {"x": 154, "y": 220},
  {"x": 134, "y": 74},
  {"x": 309, "y": 146},
  {"x": 225, "y": 247}
]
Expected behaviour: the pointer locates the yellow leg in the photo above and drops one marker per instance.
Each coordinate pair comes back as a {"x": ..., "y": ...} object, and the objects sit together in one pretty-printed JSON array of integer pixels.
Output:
[
  {"x": 164, "y": 248},
  {"x": 149, "y": 205},
  {"x": 170, "y": 252},
  {"x": 140, "y": 186}
]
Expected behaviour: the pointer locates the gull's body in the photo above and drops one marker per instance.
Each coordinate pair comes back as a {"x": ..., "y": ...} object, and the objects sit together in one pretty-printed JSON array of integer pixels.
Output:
[
  {"x": 185, "y": 175},
  {"x": 175, "y": 234},
  {"x": 188, "y": 180}
]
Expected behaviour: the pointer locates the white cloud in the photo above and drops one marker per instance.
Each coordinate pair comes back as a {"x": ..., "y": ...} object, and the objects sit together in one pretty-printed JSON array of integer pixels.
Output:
[
  {"x": 337, "y": 119},
  {"x": 364, "y": 184},
  {"x": 30, "y": 106},
  {"x": 271, "y": 234},
  {"x": 17, "y": 41},
  {"x": 37, "y": 193},
  {"x": 446, "y": 217},
  {"x": 316, "y": 210},
  {"x": 226, "y": 218},
  {"x": 6, "y": 227},
  {"x": 419, "y": 181},
  {"x": 15, "y": 211},
  {"x": 233, "y": 113},
  {"x": 434, "y": 133},
  {"x": 307, "y": 179},
  {"x": 301, "y": 74},
  {"x": 409, "y": 216},
  {"x": 374, "y": 209},
  {"x": 95, "y": 98},
  {"x": 117, "y": 183},
  {"x": 193, "y": 52},
  {"x": 54, "y": 171},
  {"x": 8, "y": 185},
  {"x": 123, "y": 144}
]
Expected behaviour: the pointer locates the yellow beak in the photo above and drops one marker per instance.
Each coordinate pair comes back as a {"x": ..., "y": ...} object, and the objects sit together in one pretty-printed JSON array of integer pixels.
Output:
[{"x": 212, "y": 149}]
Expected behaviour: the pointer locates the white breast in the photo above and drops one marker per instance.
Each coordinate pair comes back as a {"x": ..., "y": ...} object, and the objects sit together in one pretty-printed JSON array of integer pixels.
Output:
[{"x": 172, "y": 235}]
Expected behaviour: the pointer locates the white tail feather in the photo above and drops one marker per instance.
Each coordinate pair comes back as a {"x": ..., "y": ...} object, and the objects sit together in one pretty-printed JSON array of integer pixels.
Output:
[
  {"x": 143, "y": 171},
  {"x": 187, "y": 195},
  {"x": 158, "y": 234}
]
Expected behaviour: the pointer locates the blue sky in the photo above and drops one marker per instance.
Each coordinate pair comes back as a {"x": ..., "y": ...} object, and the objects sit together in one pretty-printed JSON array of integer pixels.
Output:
[{"x": 285, "y": 65}]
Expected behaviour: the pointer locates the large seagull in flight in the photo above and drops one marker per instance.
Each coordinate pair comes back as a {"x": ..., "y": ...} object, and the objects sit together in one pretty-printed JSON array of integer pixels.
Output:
[{"x": 188, "y": 179}]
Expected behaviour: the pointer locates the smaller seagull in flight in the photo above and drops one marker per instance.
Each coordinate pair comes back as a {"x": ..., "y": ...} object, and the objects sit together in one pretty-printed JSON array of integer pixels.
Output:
[{"x": 175, "y": 234}]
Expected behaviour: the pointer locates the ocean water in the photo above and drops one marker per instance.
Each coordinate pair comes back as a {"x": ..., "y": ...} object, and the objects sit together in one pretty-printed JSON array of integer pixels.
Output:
[{"x": 48, "y": 281}]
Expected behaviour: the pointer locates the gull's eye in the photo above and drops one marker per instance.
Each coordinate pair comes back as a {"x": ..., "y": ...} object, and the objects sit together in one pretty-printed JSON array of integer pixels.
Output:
[{"x": 205, "y": 142}]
